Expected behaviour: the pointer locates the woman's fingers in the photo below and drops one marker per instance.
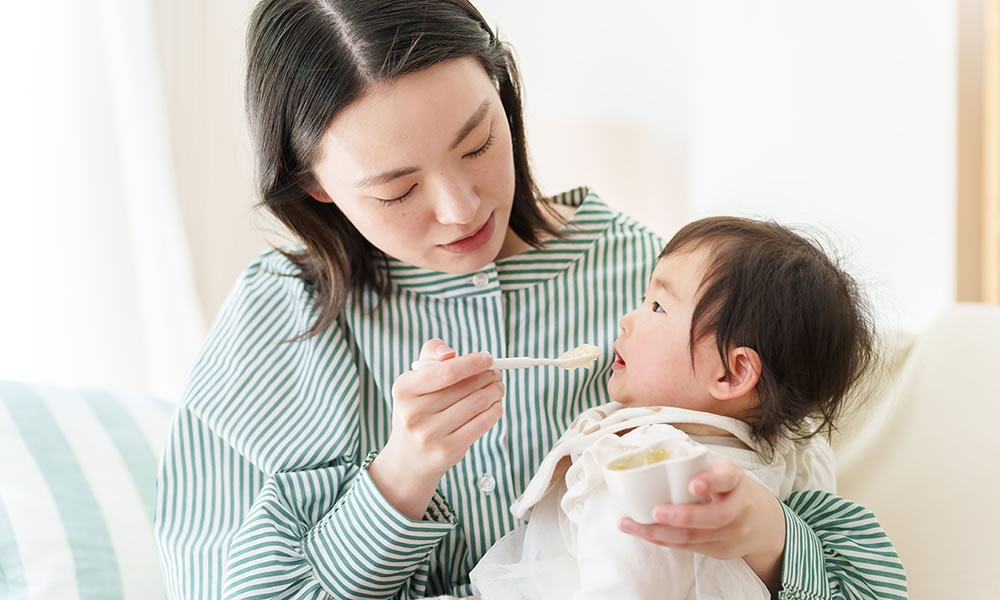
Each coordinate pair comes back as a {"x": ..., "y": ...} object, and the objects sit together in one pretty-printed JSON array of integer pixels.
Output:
[
  {"x": 718, "y": 511},
  {"x": 469, "y": 406},
  {"x": 740, "y": 518},
  {"x": 712, "y": 516},
  {"x": 475, "y": 427},
  {"x": 673, "y": 536},
  {"x": 722, "y": 477},
  {"x": 436, "y": 349},
  {"x": 448, "y": 434},
  {"x": 441, "y": 413},
  {"x": 717, "y": 519},
  {"x": 443, "y": 400},
  {"x": 443, "y": 376},
  {"x": 436, "y": 409},
  {"x": 456, "y": 369}
]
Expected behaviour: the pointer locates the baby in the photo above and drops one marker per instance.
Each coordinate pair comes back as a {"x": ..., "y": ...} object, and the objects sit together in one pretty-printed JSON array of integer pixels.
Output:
[{"x": 747, "y": 341}]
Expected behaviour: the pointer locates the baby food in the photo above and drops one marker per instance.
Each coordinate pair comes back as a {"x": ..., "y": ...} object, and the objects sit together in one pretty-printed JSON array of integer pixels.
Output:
[
  {"x": 581, "y": 356},
  {"x": 647, "y": 457}
]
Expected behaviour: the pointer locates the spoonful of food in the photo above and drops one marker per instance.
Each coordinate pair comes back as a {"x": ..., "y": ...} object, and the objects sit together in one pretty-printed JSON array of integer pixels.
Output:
[{"x": 581, "y": 356}]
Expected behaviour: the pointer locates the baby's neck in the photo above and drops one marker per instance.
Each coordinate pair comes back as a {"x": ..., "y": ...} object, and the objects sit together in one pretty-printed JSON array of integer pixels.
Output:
[
  {"x": 695, "y": 429},
  {"x": 699, "y": 429}
]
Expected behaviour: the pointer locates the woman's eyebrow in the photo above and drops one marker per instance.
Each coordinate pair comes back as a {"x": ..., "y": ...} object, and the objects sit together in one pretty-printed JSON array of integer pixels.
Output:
[
  {"x": 388, "y": 176},
  {"x": 472, "y": 123},
  {"x": 385, "y": 177}
]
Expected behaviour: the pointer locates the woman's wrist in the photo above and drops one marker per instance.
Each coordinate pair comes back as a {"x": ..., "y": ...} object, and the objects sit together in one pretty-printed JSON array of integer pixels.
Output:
[
  {"x": 766, "y": 562},
  {"x": 408, "y": 490}
]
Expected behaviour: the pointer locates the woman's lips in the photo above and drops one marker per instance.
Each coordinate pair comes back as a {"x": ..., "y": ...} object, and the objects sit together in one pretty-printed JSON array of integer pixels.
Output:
[{"x": 473, "y": 242}]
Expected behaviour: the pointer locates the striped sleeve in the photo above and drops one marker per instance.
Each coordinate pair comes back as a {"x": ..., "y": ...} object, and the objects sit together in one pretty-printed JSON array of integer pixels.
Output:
[
  {"x": 352, "y": 563},
  {"x": 836, "y": 549},
  {"x": 260, "y": 492}
]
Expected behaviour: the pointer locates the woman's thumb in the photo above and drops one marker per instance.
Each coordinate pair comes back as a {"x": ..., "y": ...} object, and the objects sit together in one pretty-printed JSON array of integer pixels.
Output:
[{"x": 436, "y": 349}]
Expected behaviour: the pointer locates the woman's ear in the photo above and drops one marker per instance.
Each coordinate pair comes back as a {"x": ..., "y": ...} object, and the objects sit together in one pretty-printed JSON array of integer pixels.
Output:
[
  {"x": 744, "y": 372},
  {"x": 318, "y": 194}
]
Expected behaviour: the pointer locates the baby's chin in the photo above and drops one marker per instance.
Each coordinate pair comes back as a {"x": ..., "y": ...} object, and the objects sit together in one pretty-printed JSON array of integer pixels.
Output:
[
  {"x": 613, "y": 391},
  {"x": 620, "y": 396}
]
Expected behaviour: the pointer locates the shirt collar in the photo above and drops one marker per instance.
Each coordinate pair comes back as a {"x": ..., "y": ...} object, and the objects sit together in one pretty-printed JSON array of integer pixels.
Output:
[{"x": 589, "y": 222}]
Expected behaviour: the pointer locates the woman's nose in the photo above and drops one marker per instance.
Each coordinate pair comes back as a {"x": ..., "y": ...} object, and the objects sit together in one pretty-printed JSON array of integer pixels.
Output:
[{"x": 456, "y": 204}]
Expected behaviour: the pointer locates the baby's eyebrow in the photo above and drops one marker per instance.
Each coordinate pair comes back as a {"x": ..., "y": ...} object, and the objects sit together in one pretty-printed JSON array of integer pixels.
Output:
[{"x": 666, "y": 286}]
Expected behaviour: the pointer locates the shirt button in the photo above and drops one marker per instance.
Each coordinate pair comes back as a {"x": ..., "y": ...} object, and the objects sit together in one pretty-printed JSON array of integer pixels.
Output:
[
  {"x": 480, "y": 280},
  {"x": 487, "y": 484}
]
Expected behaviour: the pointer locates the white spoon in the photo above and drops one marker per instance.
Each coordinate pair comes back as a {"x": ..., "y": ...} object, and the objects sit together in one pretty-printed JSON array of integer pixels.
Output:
[{"x": 581, "y": 356}]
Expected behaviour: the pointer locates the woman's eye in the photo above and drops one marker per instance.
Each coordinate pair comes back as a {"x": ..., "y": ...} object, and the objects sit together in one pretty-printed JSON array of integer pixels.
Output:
[
  {"x": 387, "y": 202},
  {"x": 482, "y": 149},
  {"x": 657, "y": 307}
]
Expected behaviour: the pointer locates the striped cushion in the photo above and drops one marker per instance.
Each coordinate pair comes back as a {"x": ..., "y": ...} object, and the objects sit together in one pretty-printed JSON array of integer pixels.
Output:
[{"x": 76, "y": 493}]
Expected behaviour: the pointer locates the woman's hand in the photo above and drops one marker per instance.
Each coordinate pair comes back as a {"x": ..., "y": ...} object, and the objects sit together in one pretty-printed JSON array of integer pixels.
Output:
[
  {"x": 437, "y": 413},
  {"x": 740, "y": 519}
]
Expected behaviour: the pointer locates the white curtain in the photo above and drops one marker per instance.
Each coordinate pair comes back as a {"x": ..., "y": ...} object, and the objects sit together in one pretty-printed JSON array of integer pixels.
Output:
[{"x": 96, "y": 288}]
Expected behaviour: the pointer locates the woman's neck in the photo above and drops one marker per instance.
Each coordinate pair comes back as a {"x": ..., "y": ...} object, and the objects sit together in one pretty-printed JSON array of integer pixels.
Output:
[{"x": 514, "y": 245}]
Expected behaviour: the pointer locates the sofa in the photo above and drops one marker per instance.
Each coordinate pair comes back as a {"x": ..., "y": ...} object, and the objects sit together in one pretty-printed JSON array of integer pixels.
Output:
[
  {"x": 77, "y": 470},
  {"x": 921, "y": 452}
]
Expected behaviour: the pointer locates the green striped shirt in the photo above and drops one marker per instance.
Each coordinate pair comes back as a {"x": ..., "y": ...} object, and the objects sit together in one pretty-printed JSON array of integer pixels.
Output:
[{"x": 262, "y": 491}]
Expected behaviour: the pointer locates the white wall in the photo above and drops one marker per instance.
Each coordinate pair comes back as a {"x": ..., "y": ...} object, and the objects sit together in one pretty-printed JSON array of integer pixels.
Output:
[
  {"x": 838, "y": 116},
  {"x": 203, "y": 54},
  {"x": 835, "y": 115}
]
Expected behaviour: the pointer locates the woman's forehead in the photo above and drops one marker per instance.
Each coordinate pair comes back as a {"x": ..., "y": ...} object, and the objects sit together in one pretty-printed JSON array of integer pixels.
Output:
[{"x": 411, "y": 115}]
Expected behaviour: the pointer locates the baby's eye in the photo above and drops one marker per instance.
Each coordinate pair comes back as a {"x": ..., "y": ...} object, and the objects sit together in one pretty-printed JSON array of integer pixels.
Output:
[{"x": 657, "y": 307}]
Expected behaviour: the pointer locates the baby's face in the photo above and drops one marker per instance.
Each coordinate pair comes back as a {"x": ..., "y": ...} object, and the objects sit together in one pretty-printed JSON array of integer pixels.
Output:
[{"x": 653, "y": 361}]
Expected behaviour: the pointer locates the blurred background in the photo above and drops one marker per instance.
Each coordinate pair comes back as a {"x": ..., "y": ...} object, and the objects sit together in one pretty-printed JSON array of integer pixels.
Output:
[{"x": 128, "y": 208}]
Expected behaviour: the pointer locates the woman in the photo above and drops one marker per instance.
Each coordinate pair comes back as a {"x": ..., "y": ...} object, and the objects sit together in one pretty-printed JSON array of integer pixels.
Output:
[{"x": 306, "y": 459}]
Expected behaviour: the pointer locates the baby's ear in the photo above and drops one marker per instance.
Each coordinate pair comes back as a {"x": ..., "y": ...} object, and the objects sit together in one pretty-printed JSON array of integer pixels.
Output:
[{"x": 744, "y": 372}]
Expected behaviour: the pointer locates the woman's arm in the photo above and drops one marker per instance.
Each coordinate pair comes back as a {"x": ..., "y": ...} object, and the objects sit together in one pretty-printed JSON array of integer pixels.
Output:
[
  {"x": 844, "y": 553},
  {"x": 259, "y": 492},
  {"x": 818, "y": 546},
  {"x": 226, "y": 530}
]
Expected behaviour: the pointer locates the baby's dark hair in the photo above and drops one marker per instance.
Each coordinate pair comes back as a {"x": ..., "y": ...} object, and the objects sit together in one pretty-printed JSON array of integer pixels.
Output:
[{"x": 772, "y": 290}]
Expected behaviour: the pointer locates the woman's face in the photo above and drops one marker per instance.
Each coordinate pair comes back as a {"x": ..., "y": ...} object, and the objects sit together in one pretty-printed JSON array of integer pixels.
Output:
[{"x": 423, "y": 167}]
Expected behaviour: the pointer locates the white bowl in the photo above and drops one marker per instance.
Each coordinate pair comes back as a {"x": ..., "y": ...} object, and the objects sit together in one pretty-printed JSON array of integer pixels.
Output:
[{"x": 639, "y": 489}]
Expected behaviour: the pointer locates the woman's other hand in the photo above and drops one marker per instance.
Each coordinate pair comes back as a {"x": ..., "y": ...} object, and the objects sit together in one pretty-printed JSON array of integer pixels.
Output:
[
  {"x": 437, "y": 413},
  {"x": 740, "y": 519}
]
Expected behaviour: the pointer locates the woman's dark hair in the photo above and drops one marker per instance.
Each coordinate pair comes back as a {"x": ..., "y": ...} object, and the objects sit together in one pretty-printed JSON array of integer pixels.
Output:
[
  {"x": 772, "y": 290},
  {"x": 309, "y": 59}
]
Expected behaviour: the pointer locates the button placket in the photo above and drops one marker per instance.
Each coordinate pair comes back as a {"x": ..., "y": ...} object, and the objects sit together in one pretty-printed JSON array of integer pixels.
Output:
[
  {"x": 480, "y": 280},
  {"x": 487, "y": 484}
]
